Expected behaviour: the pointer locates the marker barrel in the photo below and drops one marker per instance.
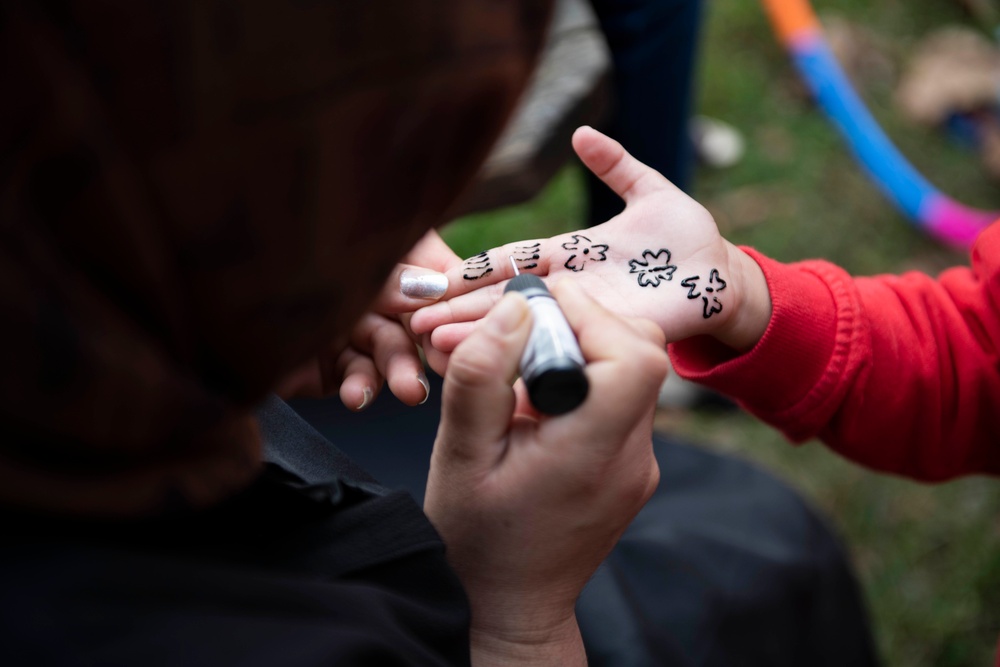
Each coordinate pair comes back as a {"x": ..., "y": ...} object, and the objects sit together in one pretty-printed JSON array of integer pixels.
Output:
[{"x": 552, "y": 364}]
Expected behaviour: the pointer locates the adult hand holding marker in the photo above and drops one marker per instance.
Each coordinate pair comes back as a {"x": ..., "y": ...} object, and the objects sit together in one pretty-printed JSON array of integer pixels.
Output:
[
  {"x": 557, "y": 491},
  {"x": 552, "y": 364}
]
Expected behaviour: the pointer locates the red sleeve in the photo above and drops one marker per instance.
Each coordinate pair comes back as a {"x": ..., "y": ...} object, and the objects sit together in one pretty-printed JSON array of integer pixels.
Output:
[{"x": 899, "y": 373}]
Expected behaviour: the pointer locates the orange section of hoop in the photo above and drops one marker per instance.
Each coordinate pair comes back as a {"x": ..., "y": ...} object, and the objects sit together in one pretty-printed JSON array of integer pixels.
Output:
[{"x": 790, "y": 17}]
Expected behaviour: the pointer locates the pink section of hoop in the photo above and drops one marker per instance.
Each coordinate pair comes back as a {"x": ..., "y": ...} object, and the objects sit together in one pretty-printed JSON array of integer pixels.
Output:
[{"x": 955, "y": 223}]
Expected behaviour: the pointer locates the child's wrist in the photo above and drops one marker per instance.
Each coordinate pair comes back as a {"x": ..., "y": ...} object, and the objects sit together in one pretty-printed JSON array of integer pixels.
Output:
[{"x": 752, "y": 307}]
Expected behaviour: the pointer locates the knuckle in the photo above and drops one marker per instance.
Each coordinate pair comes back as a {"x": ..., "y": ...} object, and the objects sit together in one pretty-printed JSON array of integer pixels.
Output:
[
  {"x": 653, "y": 480},
  {"x": 364, "y": 332},
  {"x": 526, "y": 254},
  {"x": 642, "y": 483},
  {"x": 388, "y": 335},
  {"x": 492, "y": 294},
  {"x": 648, "y": 330},
  {"x": 646, "y": 359},
  {"x": 472, "y": 364},
  {"x": 655, "y": 334},
  {"x": 649, "y": 477},
  {"x": 658, "y": 362}
]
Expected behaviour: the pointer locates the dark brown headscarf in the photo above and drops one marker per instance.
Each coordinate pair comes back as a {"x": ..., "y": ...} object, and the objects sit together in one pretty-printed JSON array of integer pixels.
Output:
[{"x": 195, "y": 196}]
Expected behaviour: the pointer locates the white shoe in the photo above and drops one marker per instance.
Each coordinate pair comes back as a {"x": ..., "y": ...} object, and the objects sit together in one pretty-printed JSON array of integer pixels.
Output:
[{"x": 716, "y": 143}]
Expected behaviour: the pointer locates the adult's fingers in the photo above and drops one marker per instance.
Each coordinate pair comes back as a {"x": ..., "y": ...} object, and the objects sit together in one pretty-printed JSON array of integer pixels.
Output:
[
  {"x": 394, "y": 354},
  {"x": 319, "y": 376},
  {"x": 306, "y": 381},
  {"x": 626, "y": 364},
  {"x": 601, "y": 332},
  {"x": 610, "y": 162},
  {"x": 436, "y": 359},
  {"x": 447, "y": 337},
  {"x": 361, "y": 381},
  {"x": 478, "y": 400}
]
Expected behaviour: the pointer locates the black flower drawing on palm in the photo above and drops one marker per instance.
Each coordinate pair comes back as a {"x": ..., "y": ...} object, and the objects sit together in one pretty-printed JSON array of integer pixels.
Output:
[
  {"x": 583, "y": 249},
  {"x": 710, "y": 302},
  {"x": 653, "y": 268}
]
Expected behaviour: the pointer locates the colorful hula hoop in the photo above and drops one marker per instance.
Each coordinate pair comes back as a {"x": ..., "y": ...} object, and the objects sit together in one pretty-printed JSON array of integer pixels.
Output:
[{"x": 944, "y": 218}]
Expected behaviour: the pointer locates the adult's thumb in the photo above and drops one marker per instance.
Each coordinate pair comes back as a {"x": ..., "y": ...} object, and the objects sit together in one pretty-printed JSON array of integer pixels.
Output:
[{"x": 478, "y": 398}]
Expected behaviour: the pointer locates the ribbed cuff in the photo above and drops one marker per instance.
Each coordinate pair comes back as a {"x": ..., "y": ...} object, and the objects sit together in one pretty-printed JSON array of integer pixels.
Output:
[{"x": 777, "y": 377}]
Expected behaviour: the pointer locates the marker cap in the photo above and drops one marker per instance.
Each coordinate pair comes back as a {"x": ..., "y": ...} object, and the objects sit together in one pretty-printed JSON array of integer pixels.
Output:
[
  {"x": 558, "y": 389},
  {"x": 552, "y": 364},
  {"x": 527, "y": 284}
]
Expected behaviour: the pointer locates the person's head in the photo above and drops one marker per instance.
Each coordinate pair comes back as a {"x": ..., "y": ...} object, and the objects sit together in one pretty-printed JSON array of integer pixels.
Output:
[{"x": 194, "y": 197}]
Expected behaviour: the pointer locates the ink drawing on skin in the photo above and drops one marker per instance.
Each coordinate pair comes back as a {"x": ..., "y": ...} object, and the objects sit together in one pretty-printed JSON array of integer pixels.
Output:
[
  {"x": 526, "y": 256},
  {"x": 653, "y": 268},
  {"x": 710, "y": 302},
  {"x": 477, "y": 267},
  {"x": 583, "y": 249}
]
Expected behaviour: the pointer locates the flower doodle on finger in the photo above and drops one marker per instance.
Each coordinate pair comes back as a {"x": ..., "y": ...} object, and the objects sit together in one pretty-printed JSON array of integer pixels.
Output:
[
  {"x": 710, "y": 302},
  {"x": 583, "y": 249},
  {"x": 653, "y": 268}
]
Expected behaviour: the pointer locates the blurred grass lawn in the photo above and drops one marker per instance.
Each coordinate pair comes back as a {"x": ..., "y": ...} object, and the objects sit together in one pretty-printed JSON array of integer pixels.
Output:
[{"x": 928, "y": 556}]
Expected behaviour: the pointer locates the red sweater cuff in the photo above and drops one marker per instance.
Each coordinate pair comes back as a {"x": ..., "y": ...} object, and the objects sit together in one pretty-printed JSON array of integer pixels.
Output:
[{"x": 782, "y": 379}]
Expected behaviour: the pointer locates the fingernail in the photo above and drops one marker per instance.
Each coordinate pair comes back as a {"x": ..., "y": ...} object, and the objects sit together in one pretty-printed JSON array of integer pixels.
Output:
[
  {"x": 422, "y": 379},
  {"x": 508, "y": 314},
  {"x": 367, "y": 393},
  {"x": 423, "y": 284}
]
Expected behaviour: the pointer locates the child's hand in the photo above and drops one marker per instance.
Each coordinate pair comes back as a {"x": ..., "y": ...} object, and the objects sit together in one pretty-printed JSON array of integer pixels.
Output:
[{"x": 662, "y": 259}]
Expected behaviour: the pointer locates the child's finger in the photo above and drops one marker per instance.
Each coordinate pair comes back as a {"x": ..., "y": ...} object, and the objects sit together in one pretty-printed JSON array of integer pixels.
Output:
[
  {"x": 496, "y": 265},
  {"x": 447, "y": 337},
  {"x": 611, "y": 163},
  {"x": 465, "y": 308}
]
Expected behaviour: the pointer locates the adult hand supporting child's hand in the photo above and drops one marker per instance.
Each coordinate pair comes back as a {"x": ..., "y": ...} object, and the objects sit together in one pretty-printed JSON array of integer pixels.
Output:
[
  {"x": 662, "y": 258},
  {"x": 380, "y": 349},
  {"x": 528, "y": 508}
]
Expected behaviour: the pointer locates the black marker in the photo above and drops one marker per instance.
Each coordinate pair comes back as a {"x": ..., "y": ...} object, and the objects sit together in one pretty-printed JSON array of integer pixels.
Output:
[{"x": 552, "y": 364}]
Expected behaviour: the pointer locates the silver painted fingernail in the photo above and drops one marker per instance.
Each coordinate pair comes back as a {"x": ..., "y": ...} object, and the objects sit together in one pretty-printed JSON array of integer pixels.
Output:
[
  {"x": 367, "y": 393},
  {"x": 422, "y": 379},
  {"x": 423, "y": 285}
]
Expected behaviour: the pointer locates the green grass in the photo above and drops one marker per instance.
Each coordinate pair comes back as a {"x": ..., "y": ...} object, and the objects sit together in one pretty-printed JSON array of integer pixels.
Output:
[
  {"x": 928, "y": 556},
  {"x": 560, "y": 208}
]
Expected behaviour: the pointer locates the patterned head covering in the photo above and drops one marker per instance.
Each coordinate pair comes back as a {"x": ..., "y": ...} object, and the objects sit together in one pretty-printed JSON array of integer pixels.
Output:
[{"x": 195, "y": 196}]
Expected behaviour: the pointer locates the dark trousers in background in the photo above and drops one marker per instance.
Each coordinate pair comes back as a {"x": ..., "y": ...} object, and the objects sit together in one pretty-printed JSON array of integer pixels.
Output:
[{"x": 653, "y": 47}]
